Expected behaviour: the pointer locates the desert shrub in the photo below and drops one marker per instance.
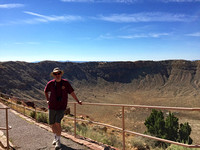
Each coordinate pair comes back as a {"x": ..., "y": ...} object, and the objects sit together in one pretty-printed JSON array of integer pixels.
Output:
[
  {"x": 19, "y": 102},
  {"x": 32, "y": 114},
  {"x": 176, "y": 147},
  {"x": 82, "y": 129},
  {"x": 41, "y": 117},
  {"x": 98, "y": 135},
  {"x": 67, "y": 125},
  {"x": 67, "y": 128},
  {"x": 95, "y": 135},
  {"x": 167, "y": 128},
  {"x": 111, "y": 140},
  {"x": 139, "y": 144},
  {"x": 171, "y": 127},
  {"x": 155, "y": 124},
  {"x": 184, "y": 133}
]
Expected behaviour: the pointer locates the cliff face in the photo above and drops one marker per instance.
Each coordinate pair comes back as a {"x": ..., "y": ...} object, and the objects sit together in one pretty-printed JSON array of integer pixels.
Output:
[{"x": 18, "y": 78}]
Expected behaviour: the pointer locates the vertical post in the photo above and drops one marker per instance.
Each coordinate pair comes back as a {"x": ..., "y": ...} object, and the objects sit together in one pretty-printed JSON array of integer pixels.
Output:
[
  {"x": 7, "y": 128},
  {"x": 123, "y": 128},
  {"x": 35, "y": 115},
  {"x": 7, "y": 101},
  {"x": 11, "y": 101},
  {"x": 74, "y": 119},
  {"x": 24, "y": 109}
]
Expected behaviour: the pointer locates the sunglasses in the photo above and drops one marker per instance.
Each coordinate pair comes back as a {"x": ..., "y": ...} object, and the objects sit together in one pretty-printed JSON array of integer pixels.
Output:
[{"x": 57, "y": 73}]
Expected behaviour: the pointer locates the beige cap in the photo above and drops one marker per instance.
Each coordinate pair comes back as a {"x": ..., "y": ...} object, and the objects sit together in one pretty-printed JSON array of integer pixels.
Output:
[{"x": 55, "y": 70}]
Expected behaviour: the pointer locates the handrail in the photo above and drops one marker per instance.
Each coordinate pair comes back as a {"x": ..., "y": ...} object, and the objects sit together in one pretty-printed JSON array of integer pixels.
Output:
[
  {"x": 7, "y": 127},
  {"x": 142, "y": 106},
  {"x": 135, "y": 133},
  {"x": 163, "y": 140}
]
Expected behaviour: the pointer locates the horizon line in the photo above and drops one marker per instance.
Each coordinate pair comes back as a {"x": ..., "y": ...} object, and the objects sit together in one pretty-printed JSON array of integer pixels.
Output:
[{"x": 85, "y": 61}]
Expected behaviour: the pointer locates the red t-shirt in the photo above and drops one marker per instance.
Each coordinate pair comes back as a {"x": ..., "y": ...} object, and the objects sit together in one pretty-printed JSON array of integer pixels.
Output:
[{"x": 58, "y": 94}]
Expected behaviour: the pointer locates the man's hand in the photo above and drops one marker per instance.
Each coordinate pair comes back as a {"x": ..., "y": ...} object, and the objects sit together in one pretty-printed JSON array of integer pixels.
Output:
[
  {"x": 80, "y": 102},
  {"x": 75, "y": 98}
]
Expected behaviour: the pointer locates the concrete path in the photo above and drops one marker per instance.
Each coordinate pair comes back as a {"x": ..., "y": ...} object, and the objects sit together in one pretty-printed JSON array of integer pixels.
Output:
[{"x": 25, "y": 135}]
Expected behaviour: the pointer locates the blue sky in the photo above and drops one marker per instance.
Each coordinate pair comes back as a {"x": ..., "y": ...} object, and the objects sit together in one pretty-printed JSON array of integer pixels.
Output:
[{"x": 99, "y": 30}]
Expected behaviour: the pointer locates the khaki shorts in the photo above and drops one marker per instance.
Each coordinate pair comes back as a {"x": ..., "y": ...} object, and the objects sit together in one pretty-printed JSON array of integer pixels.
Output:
[{"x": 55, "y": 116}]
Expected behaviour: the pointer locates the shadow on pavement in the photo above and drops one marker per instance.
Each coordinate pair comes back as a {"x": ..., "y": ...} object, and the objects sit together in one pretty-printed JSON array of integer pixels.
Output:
[{"x": 64, "y": 147}]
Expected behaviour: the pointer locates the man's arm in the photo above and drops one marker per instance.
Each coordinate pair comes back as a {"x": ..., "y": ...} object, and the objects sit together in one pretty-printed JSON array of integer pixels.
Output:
[
  {"x": 47, "y": 97},
  {"x": 74, "y": 96}
]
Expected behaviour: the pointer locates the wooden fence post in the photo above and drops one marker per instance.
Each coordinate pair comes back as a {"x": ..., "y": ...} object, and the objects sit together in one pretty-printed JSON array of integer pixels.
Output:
[
  {"x": 7, "y": 128},
  {"x": 123, "y": 128},
  {"x": 24, "y": 110},
  {"x": 35, "y": 115},
  {"x": 74, "y": 119}
]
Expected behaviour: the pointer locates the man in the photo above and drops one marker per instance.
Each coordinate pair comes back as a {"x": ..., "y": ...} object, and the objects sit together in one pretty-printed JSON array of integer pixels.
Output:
[{"x": 56, "y": 93}]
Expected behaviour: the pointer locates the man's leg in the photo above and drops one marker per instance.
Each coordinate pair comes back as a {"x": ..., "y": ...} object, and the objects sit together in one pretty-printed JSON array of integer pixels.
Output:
[
  {"x": 57, "y": 129},
  {"x": 52, "y": 117},
  {"x": 59, "y": 116},
  {"x": 53, "y": 127}
]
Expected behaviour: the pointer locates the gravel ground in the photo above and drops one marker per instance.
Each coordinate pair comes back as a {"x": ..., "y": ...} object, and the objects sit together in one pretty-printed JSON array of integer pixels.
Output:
[{"x": 28, "y": 136}]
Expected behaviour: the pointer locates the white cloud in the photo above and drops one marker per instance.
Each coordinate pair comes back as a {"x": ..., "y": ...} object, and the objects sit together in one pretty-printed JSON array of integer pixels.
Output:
[
  {"x": 26, "y": 43},
  {"x": 147, "y": 17},
  {"x": 106, "y": 36},
  {"x": 197, "y": 34},
  {"x": 18, "y": 43},
  {"x": 53, "y": 18},
  {"x": 126, "y": 1},
  {"x": 77, "y": 0},
  {"x": 180, "y": 1},
  {"x": 33, "y": 43},
  {"x": 11, "y": 5},
  {"x": 150, "y": 35},
  {"x": 134, "y": 36},
  {"x": 101, "y": 1},
  {"x": 157, "y": 35}
]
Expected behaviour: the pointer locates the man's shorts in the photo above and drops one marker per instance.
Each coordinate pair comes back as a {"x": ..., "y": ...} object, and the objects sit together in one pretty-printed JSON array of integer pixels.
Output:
[{"x": 55, "y": 116}]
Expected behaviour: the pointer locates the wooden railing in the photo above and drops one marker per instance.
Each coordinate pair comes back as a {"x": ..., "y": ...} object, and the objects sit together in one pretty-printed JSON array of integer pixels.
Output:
[
  {"x": 7, "y": 128},
  {"x": 123, "y": 129},
  {"x": 123, "y": 122}
]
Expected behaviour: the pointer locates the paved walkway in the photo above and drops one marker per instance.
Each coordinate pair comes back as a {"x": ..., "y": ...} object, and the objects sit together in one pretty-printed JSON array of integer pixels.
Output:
[{"x": 25, "y": 135}]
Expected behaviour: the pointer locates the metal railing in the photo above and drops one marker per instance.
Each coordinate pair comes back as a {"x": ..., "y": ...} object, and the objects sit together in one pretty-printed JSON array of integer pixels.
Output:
[
  {"x": 7, "y": 128},
  {"x": 123, "y": 121},
  {"x": 23, "y": 106},
  {"x": 123, "y": 129}
]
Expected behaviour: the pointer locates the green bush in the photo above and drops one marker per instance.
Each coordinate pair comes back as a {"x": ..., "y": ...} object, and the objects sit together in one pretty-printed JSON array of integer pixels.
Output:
[
  {"x": 19, "y": 102},
  {"x": 176, "y": 147},
  {"x": 32, "y": 114},
  {"x": 67, "y": 128},
  {"x": 184, "y": 133},
  {"x": 168, "y": 128},
  {"x": 171, "y": 127},
  {"x": 97, "y": 135},
  {"x": 155, "y": 124},
  {"x": 82, "y": 129},
  {"x": 41, "y": 117},
  {"x": 110, "y": 140},
  {"x": 139, "y": 143}
]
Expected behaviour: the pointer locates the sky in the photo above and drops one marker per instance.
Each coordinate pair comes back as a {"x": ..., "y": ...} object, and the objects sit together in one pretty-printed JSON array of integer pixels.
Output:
[{"x": 99, "y": 30}]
